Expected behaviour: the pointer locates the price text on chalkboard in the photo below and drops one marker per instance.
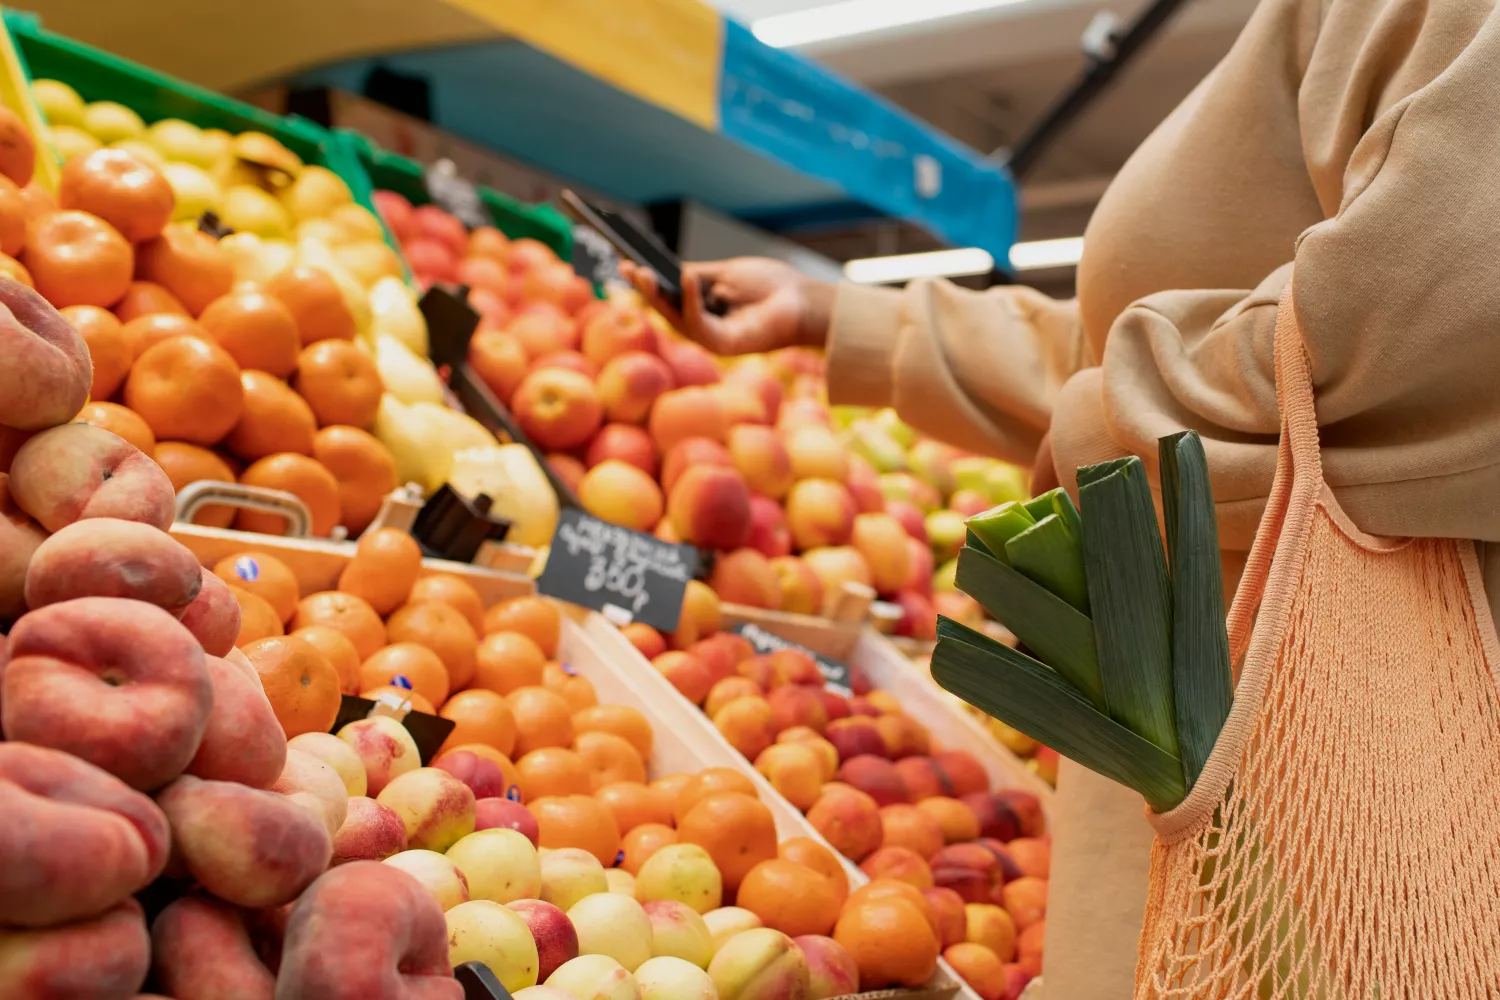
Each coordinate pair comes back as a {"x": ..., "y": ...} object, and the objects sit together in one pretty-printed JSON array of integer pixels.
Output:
[
  {"x": 627, "y": 575},
  {"x": 835, "y": 674}
]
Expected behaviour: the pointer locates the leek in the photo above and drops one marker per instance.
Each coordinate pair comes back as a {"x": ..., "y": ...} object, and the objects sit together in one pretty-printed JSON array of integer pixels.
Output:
[
  {"x": 1052, "y": 555},
  {"x": 999, "y": 525}
]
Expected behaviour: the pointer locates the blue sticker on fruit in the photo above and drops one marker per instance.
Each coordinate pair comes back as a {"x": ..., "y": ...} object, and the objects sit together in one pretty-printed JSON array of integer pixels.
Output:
[
  {"x": 619, "y": 859},
  {"x": 247, "y": 569},
  {"x": 513, "y": 793},
  {"x": 401, "y": 681},
  {"x": 570, "y": 670}
]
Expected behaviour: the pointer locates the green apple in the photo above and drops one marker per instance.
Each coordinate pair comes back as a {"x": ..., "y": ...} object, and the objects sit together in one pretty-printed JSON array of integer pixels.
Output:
[
  {"x": 59, "y": 102},
  {"x": 109, "y": 122},
  {"x": 875, "y": 446},
  {"x": 888, "y": 421},
  {"x": 905, "y": 486},
  {"x": 945, "y": 577},
  {"x": 945, "y": 533},
  {"x": 180, "y": 142},
  {"x": 70, "y": 141}
]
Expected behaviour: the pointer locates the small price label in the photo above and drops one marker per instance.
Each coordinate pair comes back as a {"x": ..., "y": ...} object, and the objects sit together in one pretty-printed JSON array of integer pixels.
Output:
[
  {"x": 835, "y": 674},
  {"x": 626, "y": 575}
]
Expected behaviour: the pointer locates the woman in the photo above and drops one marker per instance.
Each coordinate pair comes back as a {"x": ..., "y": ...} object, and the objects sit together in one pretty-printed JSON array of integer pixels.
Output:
[{"x": 1351, "y": 146}]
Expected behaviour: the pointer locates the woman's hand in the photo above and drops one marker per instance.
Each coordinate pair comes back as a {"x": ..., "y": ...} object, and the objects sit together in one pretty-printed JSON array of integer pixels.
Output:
[{"x": 769, "y": 304}]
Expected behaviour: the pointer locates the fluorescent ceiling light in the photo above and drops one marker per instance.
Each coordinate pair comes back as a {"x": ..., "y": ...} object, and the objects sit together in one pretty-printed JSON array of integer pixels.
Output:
[
  {"x": 905, "y": 267},
  {"x": 858, "y": 17},
  {"x": 1043, "y": 254}
]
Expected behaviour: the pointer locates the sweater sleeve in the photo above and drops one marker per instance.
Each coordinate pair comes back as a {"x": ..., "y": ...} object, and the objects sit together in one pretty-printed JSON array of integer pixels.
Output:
[{"x": 980, "y": 370}]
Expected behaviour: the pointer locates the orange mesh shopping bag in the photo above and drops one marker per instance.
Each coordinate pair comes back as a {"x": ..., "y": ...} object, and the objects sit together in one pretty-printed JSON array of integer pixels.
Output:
[{"x": 1343, "y": 841}]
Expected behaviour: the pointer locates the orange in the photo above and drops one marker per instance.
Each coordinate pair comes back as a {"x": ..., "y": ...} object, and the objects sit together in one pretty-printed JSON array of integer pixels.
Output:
[
  {"x": 15, "y": 270},
  {"x": 454, "y": 591},
  {"x": 709, "y": 781},
  {"x": 577, "y": 821},
  {"x": 340, "y": 652},
  {"x": 890, "y": 942},
  {"x": 634, "y": 804},
  {"x": 418, "y": 664},
  {"x": 146, "y": 298},
  {"x": 610, "y": 759},
  {"x": 735, "y": 829},
  {"x": 300, "y": 683},
  {"x": 811, "y": 854},
  {"x": 263, "y": 575},
  {"x": 38, "y": 200},
  {"x": 298, "y": 475},
  {"x": 315, "y": 302},
  {"x": 257, "y": 618},
  {"x": 542, "y": 719},
  {"x": 506, "y": 661},
  {"x": 340, "y": 383},
  {"x": 111, "y": 353},
  {"x": 910, "y": 827},
  {"x": 142, "y": 332},
  {"x": 576, "y": 689},
  {"x": 186, "y": 389},
  {"x": 645, "y": 639},
  {"x": 790, "y": 898},
  {"x": 552, "y": 771},
  {"x": 535, "y": 617},
  {"x": 418, "y": 703},
  {"x": 77, "y": 258},
  {"x": 187, "y": 463},
  {"x": 642, "y": 842},
  {"x": 118, "y": 420},
  {"x": 344, "y": 613},
  {"x": 187, "y": 263},
  {"x": 274, "y": 419},
  {"x": 622, "y": 720},
  {"x": 17, "y": 148},
  {"x": 442, "y": 630},
  {"x": 256, "y": 329},
  {"x": 385, "y": 565},
  {"x": 121, "y": 189},
  {"x": 507, "y": 768},
  {"x": 480, "y": 717},
  {"x": 12, "y": 217},
  {"x": 669, "y": 786},
  {"x": 364, "y": 468}
]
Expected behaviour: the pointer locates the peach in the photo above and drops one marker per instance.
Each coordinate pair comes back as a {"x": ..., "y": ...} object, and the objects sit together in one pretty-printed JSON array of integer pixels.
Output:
[
  {"x": 911, "y": 519},
  {"x": 314, "y": 784},
  {"x": 1030, "y": 945},
  {"x": 336, "y": 754},
  {"x": 648, "y": 641},
  {"x": 816, "y": 453},
  {"x": 371, "y": 832},
  {"x": 556, "y": 940},
  {"x": 769, "y": 534},
  {"x": 949, "y": 918},
  {"x": 1028, "y": 809},
  {"x": 924, "y": 780},
  {"x": 710, "y": 506},
  {"x": 1033, "y": 855},
  {"x": 436, "y": 807},
  {"x": 968, "y": 869},
  {"x": 542, "y": 329},
  {"x": 118, "y": 683},
  {"x": 624, "y": 442},
  {"x": 911, "y": 827},
  {"x": 795, "y": 705},
  {"x": 905, "y": 487},
  {"x": 686, "y": 673},
  {"x": 956, "y": 821},
  {"x": 77, "y": 841},
  {"x": 570, "y": 360},
  {"x": 500, "y": 362},
  {"x": 828, "y": 757},
  {"x": 762, "y": 670},
  {"x": 503, "y": 814},
  {"x": 979, "y": 967},
  {"x": 20, "y": 537},
  {"x": 569, "y": 874},
  {"x": 108, "y": 557},
  {"x": 620, "y": 493},
  {"x": 668, "y": 978},
  {"x": 800, "y": 412},
  {"x": 243, "y": 741},
  {"x": 849, "y": 820},
  {"x": 742, "y": 405},
  {"x": 613, "y": 925},
  {"x": 1026, "y": 900},
  {"x": 213, "y": 616},
  {"x": 438, "y": 874},
  {"x": 200, "y": 947},
  {"x": 617, "y": 329},
  {"x": 801, "y": 589},
  {"x": 387, "y": 749},
  {"x": 728, "y": 690},
  {"x": 681, "y": 873},
  {"x": 721, "y": 653},
  {"x": 760, "y": 382},
  {"x": 857, "y": 736},
  {"x": 501, "y": 865},
  {"x": 104, "y": 956},
  {"x": 630, "y": 383},
  {"x": 557, "y": 408},
  {"x": 864, "y": 487},
  {"x": 701, "y": 617},
  {"x": 746, "y": 724},
  {"x": 367, "y": 930},
  {"x": 875, "y": 776},
  {"x": 991, "y": 926},
  {"x": 996, "y": 818},
  {"x": 794, "y": 770},
  {"x": 963, "y": 771},
  {"x": 246, "y": 846},
  {"x": 690, "y": 364},
  {"x": 1044, "y": 762},
  {"x": 679, "y": 931},
  {"x": 899, "y": 863},
  {"x": 484, "y": 776},
  {"x": 686, "y": 413},
  {"x": 831, "y": 971},
  {"x": 47, "y": 367},
  {"x": 835, "y": 704},
  {"x": 589, "y": 977},
  {"x": 883, "y": 542},
  {"x": 744, "y": 576},
  {"x": 76, "y": 471},
  {"x": 690, "y": 453},
  {"x": 820, "y": 513},
  {"x": 760, "y": 964}
]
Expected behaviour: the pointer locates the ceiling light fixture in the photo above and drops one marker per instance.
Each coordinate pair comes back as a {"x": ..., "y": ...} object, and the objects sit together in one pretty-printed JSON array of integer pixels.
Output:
[
  {"x": 906, "y": 266},
  {"x": 1042, "y": 254},
  {"x": 859, "y": 17}
]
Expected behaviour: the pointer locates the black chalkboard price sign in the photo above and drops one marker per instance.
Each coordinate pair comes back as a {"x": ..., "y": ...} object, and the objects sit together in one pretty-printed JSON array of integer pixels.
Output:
[
  {"x": 835, "y": 674},
  {"x": 626, "y": 575}
]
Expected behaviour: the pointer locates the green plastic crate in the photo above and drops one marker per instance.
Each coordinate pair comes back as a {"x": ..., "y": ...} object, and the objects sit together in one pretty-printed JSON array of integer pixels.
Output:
[
  {"x": 392, "y": 172},
  {"x": 102, "y": 76}
]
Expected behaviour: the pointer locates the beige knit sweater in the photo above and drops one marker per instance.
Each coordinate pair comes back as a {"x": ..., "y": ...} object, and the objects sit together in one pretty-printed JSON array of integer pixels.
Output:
[{"x": 1350, "y": 145}]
